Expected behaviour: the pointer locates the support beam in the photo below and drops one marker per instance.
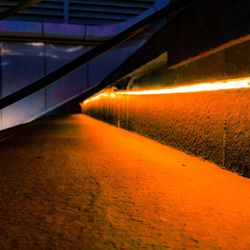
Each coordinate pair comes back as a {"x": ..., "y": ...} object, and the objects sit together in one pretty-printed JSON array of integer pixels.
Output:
[{"x": 21, "y": 6}]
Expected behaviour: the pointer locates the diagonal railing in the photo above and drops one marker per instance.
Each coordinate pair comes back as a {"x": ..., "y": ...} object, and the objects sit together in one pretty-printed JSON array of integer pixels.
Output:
[{"x": 119, "y": 39}]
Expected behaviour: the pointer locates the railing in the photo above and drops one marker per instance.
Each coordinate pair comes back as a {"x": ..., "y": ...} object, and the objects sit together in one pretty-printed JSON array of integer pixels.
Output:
[{"x": 119, "y": 39}]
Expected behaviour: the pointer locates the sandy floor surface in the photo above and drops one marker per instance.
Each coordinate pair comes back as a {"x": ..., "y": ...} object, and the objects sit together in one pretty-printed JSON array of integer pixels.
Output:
[{"x": 77, "y": 183}]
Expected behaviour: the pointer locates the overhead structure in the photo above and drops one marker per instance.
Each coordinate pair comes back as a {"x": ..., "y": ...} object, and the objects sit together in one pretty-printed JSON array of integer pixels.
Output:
[
  {"x": 18, "y": 7},
  {"x": 93, "y": 12},
  {"x": 119, "y": 39}
]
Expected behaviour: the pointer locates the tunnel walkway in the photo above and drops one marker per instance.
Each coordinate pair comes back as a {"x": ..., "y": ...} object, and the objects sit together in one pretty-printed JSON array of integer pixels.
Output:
[{"x": 73, "y": 182}]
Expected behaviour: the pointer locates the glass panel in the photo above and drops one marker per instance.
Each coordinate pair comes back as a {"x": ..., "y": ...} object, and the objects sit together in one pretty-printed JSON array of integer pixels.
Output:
[{"x": 71, "y": 84}]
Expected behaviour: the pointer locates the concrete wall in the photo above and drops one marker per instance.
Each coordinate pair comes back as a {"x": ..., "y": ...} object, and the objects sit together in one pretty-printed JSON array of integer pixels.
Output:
[
  {"x": 213, "y": 125},
  {"x": 233, "y": 62}
]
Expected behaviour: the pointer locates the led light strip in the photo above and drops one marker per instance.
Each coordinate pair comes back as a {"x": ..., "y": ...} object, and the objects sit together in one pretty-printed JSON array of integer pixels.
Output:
[
  {"x": 233, "y": 84},
  {"x": 241, "y": 83}
]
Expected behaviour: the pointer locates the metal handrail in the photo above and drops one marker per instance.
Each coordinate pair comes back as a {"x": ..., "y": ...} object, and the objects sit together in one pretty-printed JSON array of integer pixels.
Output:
[{"x": 119, "y": 39}]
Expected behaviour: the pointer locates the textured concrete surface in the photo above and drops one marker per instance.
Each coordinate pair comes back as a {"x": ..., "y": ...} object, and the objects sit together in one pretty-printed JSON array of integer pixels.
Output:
[
  {"x": 233, "y": 62},
  {"x": 213, "y": 125},
  {"x": 204, "y": 26},
  {"x": 78, "y": 183}
]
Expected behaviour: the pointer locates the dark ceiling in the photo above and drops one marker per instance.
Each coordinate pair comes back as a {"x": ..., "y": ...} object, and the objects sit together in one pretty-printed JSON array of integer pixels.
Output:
[{"x": 95, "y": 12}]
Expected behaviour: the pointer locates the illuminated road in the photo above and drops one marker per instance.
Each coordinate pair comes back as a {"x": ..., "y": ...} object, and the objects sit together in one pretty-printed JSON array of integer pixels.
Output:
[{"x": 78, "y": 183}]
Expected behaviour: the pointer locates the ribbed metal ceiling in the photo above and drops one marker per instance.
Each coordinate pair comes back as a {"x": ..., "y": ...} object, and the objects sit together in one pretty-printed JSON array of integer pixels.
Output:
[{"x": 96, "y": 12}]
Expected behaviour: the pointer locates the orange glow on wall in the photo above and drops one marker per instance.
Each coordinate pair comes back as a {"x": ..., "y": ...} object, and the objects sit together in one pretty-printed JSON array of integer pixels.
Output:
[
  {"x": 241, "y": 83},
  {"x": 207, "y": 120},
  {"x": 95, "y": 97}
]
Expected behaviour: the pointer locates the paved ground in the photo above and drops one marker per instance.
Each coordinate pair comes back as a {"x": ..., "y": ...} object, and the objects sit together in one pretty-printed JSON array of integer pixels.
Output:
[{"x": 78, "y": 183}]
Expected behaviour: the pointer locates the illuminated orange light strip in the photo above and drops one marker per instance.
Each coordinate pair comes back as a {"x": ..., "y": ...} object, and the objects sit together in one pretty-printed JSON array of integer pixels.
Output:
[
  {"x": 233, "y": 84},
  {"x": 96, "y": 97},
  {"x": 222, "y": 85}
]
